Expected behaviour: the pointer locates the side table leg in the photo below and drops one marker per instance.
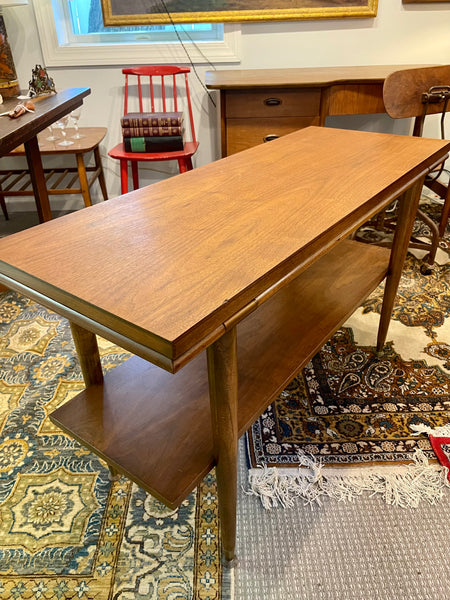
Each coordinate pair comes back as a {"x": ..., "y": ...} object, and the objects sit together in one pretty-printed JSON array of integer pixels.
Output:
[
  {"x": 408, "y": 205},
  {"x": 88, "y": 355},
  {"x": 101, "y": 175},
  {"x": 38, "y": 179},
  {"x": 223, "y": 391},
  {"x": 82, "y": 176}
]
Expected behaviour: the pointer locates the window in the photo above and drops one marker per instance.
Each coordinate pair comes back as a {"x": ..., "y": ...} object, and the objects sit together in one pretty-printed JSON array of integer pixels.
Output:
[
  {"x": 84, "y": 23},
  {"x": 72, "y": 33}
]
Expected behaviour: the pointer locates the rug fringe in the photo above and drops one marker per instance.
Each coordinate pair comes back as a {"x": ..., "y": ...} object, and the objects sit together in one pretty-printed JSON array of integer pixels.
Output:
[
  {"x": 406, "y": 486},
  {"x": 443, "y": 431}
]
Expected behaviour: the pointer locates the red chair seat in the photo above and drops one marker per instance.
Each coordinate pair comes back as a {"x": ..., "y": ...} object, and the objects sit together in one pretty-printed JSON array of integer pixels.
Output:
[{"x": 119, "y": 152}]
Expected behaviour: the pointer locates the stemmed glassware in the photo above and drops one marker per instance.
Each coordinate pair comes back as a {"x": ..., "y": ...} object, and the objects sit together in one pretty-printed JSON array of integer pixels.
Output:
[
  {"x": 61, "y": 125},
  {"x": 75, "y": 115},
  {"x": 52, "y": 137}
]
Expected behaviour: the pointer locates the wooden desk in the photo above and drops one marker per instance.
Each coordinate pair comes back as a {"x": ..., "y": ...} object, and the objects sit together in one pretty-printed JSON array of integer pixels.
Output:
[
  {"x": 229, "y": 278},
  {"x": 262, "y": 104},
  {"x": 24, "y": 130}
]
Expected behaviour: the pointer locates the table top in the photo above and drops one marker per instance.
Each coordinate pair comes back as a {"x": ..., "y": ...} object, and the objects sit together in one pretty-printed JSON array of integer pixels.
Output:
[
  {"x": 48, "y": 109},
  {"x": 301, "y": 77},
  {"x": 92, "y": 136},
  {"x": 167, "y": 265}
]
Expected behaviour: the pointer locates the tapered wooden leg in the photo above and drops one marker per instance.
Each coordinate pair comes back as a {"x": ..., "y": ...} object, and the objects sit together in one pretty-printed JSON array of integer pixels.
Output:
[
  {"x": 3, "y": 204},
  {"x": 82, "y": 175},
  {"x": 37, "y": 177},
  {"x": 223, "y": 387},
  {"x": 101, "y": 175},
  {"x": 88, "y": 355},
  {"x": 135, "y": 174},
  {"x": 445, "y": 213},
  {"x": 408, "y": 205}
]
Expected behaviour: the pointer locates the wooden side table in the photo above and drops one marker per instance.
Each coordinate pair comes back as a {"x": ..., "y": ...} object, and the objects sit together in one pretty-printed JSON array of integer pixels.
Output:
[
  {"x": 59, "y": 180},
  {"x": 229, "y": 322}
]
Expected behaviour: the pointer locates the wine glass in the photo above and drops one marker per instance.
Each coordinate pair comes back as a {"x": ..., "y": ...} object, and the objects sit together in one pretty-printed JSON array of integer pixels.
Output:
[
  {"x": 52, "y": 137},
  {"x": 62, "y": 125},
  {"x": 75, "y": 115}
]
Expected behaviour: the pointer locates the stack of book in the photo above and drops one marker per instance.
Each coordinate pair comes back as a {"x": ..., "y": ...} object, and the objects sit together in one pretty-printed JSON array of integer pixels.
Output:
[{"x": 152, "y": 132}]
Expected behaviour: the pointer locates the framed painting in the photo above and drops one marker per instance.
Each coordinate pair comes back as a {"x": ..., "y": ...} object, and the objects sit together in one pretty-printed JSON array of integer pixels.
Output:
[{"x": 155, "y": 12}]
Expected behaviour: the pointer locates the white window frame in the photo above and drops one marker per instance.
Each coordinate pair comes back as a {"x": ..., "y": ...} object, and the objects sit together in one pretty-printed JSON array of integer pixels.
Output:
[{"x": 82, "y": 54}]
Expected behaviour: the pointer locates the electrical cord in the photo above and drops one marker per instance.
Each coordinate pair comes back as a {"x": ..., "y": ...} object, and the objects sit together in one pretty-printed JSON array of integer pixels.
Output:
[
  {"x": 437, "y": 94},
  {"x": 191, "y": 62}
]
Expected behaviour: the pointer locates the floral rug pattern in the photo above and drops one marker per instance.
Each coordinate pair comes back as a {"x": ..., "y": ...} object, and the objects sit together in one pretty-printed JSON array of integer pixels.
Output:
[
  {"x": 67, "y": 530},
  {"x": 351, "y": 405}
]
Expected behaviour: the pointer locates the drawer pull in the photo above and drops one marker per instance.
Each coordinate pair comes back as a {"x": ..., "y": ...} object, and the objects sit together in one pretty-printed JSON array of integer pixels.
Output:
[
  {"x": 270, "y": 137},
  {"x": 272, "y": 101}
]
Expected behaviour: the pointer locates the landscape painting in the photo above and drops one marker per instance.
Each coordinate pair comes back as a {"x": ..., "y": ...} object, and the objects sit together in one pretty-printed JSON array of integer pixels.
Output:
[{"x": 147, "y": 12}]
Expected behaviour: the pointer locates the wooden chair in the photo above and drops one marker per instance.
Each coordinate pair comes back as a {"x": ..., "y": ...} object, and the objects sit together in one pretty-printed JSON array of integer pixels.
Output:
[
  {"x": 417, "y": 93},
  {"x": 59, "y": 180},
  {"x": 156, "y": 89}
]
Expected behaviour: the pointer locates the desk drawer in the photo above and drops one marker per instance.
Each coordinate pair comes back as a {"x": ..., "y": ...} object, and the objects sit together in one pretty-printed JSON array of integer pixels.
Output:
[
  {"x": 272, "y": 102},
  {"x": 246, "y": 133}
]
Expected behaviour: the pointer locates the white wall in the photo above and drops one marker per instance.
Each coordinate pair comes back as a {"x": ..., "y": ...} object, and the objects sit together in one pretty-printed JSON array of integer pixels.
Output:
[{"x": 400, "y": 34}]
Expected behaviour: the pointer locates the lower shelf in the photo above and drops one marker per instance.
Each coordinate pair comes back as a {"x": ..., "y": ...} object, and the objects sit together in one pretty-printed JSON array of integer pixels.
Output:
[
  {"x": 59, "y": 181},
  {"x": 155, "y": 426}
]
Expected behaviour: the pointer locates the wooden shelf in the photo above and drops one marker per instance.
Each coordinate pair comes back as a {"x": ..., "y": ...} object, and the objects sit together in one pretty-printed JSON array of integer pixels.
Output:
[{"x": 155, "y": 427}]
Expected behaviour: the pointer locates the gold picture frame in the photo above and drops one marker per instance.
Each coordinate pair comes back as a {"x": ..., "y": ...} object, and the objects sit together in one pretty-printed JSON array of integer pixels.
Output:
[{"x": 155, "y": 12}]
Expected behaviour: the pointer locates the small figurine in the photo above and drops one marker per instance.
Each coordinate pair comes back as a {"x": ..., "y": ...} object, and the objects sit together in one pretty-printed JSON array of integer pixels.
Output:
[{"x": 40, "y": 82}]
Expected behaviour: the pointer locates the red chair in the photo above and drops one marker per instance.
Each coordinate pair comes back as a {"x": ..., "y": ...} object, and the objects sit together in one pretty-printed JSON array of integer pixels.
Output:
[{"x": 168, "y": 90}]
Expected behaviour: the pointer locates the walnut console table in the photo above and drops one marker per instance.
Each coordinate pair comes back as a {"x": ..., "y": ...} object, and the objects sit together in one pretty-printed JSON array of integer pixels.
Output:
[
  {"x": 223, "y": 281},
  {"x": 259, "y": 105}
]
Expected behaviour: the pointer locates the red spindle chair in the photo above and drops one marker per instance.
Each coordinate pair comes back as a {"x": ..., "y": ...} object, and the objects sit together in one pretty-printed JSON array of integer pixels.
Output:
[{"x": 168, "y": 91}]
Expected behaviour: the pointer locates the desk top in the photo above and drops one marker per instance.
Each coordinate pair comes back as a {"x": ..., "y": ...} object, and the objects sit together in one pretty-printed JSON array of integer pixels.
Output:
[
  {"x": 48, "y": 109},
  {"x": 304, "y": 77},
  {"x": 167, "y": 265}
]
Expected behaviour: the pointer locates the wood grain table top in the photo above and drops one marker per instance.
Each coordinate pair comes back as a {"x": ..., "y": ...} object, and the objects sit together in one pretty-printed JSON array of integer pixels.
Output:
[
  {"x": 92, "y": 136},
  {"x": 167, "y": 265},
  {"x": 300, "y": 77}
]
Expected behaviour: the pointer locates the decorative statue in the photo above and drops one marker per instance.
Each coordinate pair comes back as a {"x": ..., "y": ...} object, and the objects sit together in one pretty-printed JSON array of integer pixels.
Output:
[{"x": 40, "y": 82}]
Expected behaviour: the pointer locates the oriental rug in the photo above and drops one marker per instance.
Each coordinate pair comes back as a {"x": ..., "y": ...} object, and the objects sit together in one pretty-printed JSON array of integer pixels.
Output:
[
  {"x": 66, "y": 529},
  {"x": 351, "y": 406}
]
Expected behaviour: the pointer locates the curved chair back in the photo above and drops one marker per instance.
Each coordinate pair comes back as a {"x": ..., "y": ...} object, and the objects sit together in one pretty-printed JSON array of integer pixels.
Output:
[
  {"x": 419, "y": 92},
  {"x": 416, "y": 93}
]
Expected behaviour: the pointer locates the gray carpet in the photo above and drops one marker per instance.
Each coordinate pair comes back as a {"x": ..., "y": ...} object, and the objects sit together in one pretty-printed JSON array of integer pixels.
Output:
[
  {"x": 360, "y": 551},
  {"x": 21, "y": 220}
]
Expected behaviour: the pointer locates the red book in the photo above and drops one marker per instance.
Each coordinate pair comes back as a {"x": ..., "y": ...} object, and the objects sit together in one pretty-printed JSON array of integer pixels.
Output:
[
  {"x": 151, "y": 131},
  {"x": 161, "y": 119}
]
